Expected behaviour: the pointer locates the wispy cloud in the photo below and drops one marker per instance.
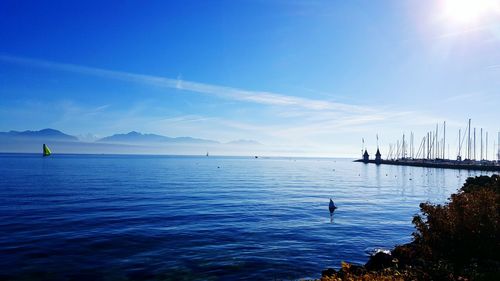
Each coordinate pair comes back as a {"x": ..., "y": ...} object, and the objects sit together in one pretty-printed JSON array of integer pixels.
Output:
[
  {"x": 298, "y": 122},
  {"x": 462, "y": 32},
  {"x": 464, "y": 97},
  {"x": 185, "y": 119},
  {"x": 493, "y": 67},
  {"x": 260, "y": 97}
]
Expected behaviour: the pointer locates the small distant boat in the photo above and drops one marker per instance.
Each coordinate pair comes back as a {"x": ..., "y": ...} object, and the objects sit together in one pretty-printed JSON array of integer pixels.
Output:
[
  {"x": 46, "y": 150},
  {"x": 256, "y": 156},
  {"x": 207, "y": 154}
]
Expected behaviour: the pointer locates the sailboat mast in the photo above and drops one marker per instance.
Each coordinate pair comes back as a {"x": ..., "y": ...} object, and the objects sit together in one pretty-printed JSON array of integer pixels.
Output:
[
  {"x": 498, "y": 149},
  {"x": 444, "y": 139},
  {"x": 474, "y": 144},
  {"x": 409, "y": 150},
  {"x": 403, "y": 153},
  {"x": 412, "y": 145},
  {"x": 459, "y": 143},
  {"x": 469, "y": 144},
  {"x": 362, "y": 146},
  {"x": 436, "y": 151},
  {"x": 429, "y": 147},
  {"x": 397, "y": 149},
  {"x": 432, "y": 144},
  {"x": 481, "y": 158},
  {"x": 494, "y": 145},
  {"x": 424, "y": 150},
  {"x": 486, "y": 145}
]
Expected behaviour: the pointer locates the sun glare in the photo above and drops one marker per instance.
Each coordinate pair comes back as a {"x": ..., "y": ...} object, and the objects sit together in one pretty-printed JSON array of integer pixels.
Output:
[{"x": 468, "y": 11}]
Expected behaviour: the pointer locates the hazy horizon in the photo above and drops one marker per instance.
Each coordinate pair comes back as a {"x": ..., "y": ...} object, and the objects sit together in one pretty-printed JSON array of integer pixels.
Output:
[
  {"x": 306, "y": 78},
  {"x": 173, "y": 146}
]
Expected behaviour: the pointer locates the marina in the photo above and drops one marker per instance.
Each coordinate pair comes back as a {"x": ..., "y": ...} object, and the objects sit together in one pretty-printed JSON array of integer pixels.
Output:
[{"x": 431, "y": 151}]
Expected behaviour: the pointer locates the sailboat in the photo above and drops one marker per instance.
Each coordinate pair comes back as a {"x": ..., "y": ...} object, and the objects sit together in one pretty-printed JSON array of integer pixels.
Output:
[{"x": 46, "y": 150}]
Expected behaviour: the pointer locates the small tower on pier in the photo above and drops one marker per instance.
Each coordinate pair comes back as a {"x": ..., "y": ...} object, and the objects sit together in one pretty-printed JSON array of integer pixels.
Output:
[
  {"x": 366, "y": 156},
  {"x": 378, "y": 157}
]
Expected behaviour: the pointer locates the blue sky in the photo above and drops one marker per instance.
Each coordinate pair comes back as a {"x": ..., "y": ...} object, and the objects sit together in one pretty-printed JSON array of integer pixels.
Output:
[{"x": 313, "y": 77}]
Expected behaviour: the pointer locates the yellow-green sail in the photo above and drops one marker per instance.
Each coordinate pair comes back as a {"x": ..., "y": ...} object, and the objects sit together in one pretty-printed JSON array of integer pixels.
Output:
[{"x": 46, "y": 150}]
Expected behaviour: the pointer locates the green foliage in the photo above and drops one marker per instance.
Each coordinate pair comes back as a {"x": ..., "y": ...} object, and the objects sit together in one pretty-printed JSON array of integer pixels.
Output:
[
  {"x": 466, "y": 228},
  {"x": 462, "y": 237},
  {"x": 482, "y": 182},
  {"x": 459, "y": 240}
]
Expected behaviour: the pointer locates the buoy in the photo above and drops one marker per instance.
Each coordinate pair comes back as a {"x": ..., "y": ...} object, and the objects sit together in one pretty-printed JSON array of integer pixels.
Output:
[{"x": 332, "y": 206}]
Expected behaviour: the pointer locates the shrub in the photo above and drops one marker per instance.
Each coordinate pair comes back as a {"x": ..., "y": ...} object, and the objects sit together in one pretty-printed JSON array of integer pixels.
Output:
[
  {"x": 459, "y": 240},
  {"x": 466, "y": 228},
  {"x": 463, "y": 235},
  {"x": 482, "y": 182}
]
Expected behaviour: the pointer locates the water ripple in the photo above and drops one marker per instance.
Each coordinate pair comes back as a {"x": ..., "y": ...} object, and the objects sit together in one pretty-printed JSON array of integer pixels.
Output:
[{"x": 102, "y": 217}]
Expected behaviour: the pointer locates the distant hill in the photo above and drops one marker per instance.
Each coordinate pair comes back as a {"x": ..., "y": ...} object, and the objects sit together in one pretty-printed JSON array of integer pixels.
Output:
[
  {"x": 244, "y": 142},
  {"x": 136, "y": 137},
  {"x": 45, "y": 134},
  {"x": 130, "y": 138},
  {"x": 128, "y": 143}
]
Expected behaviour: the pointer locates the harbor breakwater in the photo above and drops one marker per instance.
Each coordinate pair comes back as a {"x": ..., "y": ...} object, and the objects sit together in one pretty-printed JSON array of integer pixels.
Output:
[{"x": 438, "y": 163}]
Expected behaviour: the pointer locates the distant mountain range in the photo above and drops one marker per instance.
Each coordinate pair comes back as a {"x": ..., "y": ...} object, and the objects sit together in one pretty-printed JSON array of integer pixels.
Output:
[
  {"x": 47, "y": 134},
  {"x": 135, "y": 137},
  {"x": 129, "y": 138}
]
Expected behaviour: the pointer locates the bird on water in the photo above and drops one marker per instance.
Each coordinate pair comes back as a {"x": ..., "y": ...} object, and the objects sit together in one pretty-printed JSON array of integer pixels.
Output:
[{"x": 332, "y": 206}]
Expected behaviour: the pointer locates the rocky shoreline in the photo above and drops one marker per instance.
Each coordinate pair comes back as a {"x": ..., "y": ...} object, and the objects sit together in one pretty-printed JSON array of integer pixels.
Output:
[{"x": 456, "y": 241}]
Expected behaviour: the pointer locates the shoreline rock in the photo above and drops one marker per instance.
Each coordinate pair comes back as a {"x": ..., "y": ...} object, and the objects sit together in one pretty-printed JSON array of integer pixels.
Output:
[{"x": 456, "y": 241}]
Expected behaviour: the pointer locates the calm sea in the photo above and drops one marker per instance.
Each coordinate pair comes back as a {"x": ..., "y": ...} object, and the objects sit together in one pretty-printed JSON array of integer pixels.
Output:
[{"x": 102, "y": 217}]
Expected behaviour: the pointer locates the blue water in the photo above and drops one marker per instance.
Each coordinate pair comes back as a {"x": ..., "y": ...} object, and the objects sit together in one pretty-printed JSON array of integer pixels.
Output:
[{"x": 101, "y": 217}]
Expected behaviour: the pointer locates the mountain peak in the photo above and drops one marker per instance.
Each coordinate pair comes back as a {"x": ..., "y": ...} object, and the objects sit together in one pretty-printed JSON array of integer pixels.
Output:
[
  {"x": 137, "y": 137},
  {"x": 46, "y": 133},
  {"x": 133, "y": 137},
  {"x": 49, "y": 130}
]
